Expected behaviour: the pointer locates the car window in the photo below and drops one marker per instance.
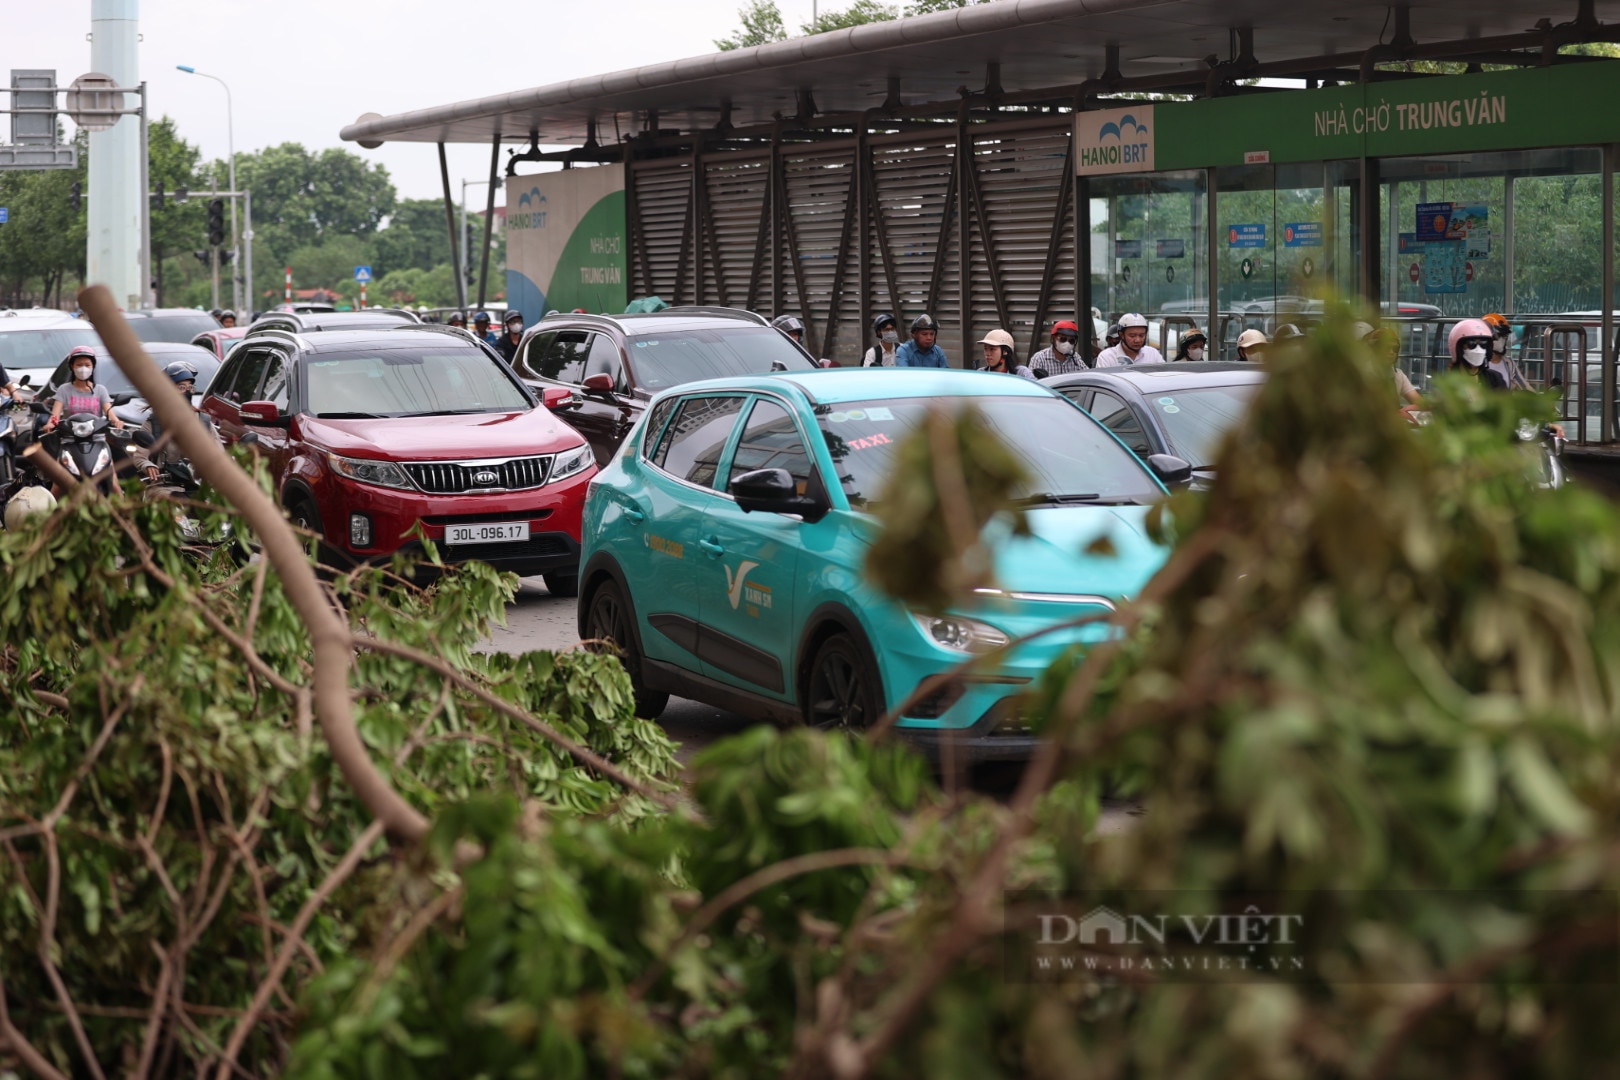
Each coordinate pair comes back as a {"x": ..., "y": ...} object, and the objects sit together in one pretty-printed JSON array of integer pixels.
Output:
[
  {"x": 275, "y": 386},
  {"x": 1112, "y": 412},
  {"x": 693, "y": 442},
  {"x": 771, "y": 441},
  {"x": 1196, "y": 420},
  {"x": 1080, "y": 395},
  {"x": 655, "y": 426},
  {"x": 249, "y": 373},
  {"x": 659, "y": 361},
  {"x": 530, "y": 352},
  {"x": 563, "y": 359},
  {"x": 604, "y": 360}
]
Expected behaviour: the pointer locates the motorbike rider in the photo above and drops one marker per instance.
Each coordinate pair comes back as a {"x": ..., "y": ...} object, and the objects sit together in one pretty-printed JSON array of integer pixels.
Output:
[
  {"x": 791, "y": 325},
  {"x": 481, "y": 328},
  {"x": 507, "y": 346},
  {"x": 1469, "y": 344},
  {"x": 183, "y": 373},
  {"x": 1501, "y": 360},
  {"x": 885, "y": 352},
  {"x": 82, "y": 394}
]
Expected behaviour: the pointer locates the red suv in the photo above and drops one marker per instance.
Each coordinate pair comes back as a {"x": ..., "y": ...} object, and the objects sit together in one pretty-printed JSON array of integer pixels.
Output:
[{"x": 378, "y": 437}]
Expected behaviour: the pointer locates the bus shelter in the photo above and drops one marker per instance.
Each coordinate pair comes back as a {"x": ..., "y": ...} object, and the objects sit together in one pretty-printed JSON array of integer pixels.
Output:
[{"x": 1220, "y": 165}]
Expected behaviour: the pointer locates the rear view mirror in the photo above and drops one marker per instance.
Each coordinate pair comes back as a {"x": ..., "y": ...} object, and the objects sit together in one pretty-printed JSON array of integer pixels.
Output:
[
  {"x": 26, "y": 380},
  {"x": 599, "y": 383},
  {"x": 557, "y": 397},
  {"x": 774, "y": 491},
  {"x": 122, "y": 399},
  {"x": 1170, "y": 469}
]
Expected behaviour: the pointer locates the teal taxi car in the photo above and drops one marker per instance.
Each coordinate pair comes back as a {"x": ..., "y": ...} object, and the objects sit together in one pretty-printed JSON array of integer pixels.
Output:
[{"x": 724, "y": 548}]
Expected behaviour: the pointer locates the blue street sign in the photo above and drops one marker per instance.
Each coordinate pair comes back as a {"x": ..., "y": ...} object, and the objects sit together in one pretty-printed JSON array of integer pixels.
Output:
[
  {"x": 1246, "y": 236},
  {"x": 5, "y": 215},
  {"x": 362, "y": 273},
  {"x": 1302, "y": 234}
]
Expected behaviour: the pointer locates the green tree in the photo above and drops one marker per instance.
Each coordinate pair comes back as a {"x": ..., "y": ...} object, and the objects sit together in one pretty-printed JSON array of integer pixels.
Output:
[
  {"x": 415, "y": 236},
  {"x": 178, "y": 228},
  {"x": 329, "y": 263},
  {"x": 761, "y": 25},
  {"x": 857, "y": 14},
  {"x": 44, "y": 240},
  {"x": 302, "y": 199}
]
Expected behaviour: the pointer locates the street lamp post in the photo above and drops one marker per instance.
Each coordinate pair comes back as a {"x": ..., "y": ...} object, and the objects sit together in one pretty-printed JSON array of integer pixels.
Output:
[
  {"x": 230, "y": 143},
  {"x": 466, "y": 271}
]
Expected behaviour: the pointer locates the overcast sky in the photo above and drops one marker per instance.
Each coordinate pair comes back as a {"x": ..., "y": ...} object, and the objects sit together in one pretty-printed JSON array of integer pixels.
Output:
[{"x": 300, "y": 72}]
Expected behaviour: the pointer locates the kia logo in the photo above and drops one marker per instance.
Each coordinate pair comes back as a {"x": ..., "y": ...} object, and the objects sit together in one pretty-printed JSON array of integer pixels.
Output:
[{"x": 485, "y": 477}]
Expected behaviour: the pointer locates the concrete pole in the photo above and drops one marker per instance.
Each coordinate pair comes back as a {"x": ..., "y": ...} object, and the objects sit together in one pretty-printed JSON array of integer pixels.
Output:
[
  {"x": 248, "y": 295},
  {"x": 113, "y": 256}
]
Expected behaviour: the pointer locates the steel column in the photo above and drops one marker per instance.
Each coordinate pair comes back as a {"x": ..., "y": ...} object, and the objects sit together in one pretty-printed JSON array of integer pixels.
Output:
[
  {"x": 1369, "y": 284},
  {"x": 840, "y": 268},
  {"x": 1606, "y": 346},
  {"x": 489, "y": 216},
  {"x": 964, "y": 233},
  {"x": 1507, "y": 244},
  {"x": 684, "y": 259},
  {"x": 450, "y": 226}
]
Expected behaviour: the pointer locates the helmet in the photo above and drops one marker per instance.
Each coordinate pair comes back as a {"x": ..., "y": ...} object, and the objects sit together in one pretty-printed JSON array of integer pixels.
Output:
[
  {"x": 883, "y": 320},
  {"x": 512, "y": 317},
  {"x": 1465, "y": 329},
  {"x": 227, "y": 314},
  {"x": 26, "y": 503},
  {"x": 215, "y": 312},
  {"x": 1193, "y": 334},
  {"x": 81, "y": 350},
  {"x": 1113, "y": 331},
  {"x": 482, "y": 317},
  {"x": 924, "y": 322},
  {"x": 181, "y": 371},
  {"x": 456, "y": 318},
  {"x": 1132, "y": 319},
  {"x": 997, "y": 337},
  {"x": 1287, "y": 332},
  {"x": 1251, "y": 338},
  {"x": 1068, "y": 325},
  {"x": 788, "y": 324},
  {"x": 1497, "y": 322},
  {"x": 1364, "y": 330}
]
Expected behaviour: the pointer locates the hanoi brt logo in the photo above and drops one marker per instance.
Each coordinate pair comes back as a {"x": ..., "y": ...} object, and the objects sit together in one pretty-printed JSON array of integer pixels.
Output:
[
  {"x": 531, "y": 211},
  {"x": 1114, "y": 141}
]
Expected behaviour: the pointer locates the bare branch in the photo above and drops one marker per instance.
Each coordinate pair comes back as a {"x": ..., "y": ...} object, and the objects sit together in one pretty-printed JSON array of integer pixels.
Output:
[{"x": 329, "y": 634}]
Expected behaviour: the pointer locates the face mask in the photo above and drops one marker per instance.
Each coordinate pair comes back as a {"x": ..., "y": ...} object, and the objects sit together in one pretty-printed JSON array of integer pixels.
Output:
[
  {"x": 890, "y": 337},
  {"x": 514, "y": 328},
  {"x": 83, "y": 373},
  {"x": 1064, "y": 348},
  {"x": 1499, "y": 346},
  {"x": 1195, "y": 354},
  {"x": 1474, "y": 355}
]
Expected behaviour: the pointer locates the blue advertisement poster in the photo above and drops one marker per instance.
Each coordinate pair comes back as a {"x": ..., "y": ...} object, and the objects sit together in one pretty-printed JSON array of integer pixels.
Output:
[
  {"x": 1246, "y": 236},
  {"x": 1433, "y": 221},
  {"x": 1302, "y": 234}
]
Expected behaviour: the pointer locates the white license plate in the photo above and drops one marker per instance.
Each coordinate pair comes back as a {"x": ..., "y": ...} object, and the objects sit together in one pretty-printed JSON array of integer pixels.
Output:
[{"x": 487, "y": 532}]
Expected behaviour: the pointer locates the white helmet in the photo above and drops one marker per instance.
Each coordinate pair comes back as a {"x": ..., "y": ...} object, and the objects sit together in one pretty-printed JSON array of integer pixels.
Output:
[
  {"x": 1131, "y": 319},
  {"x": 28, "y": 502}
]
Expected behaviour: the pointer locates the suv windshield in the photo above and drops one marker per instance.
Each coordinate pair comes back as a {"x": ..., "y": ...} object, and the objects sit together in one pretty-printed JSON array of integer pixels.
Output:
[
  {"x": 664, "y": 360},
  {"x": 21, "y": 350},
  {"x": 410, "y": 382},
  {"x": 1195, "y": 420},
  {"x": 1068, "y": 457},
  {"x": 180, "y": 328}
]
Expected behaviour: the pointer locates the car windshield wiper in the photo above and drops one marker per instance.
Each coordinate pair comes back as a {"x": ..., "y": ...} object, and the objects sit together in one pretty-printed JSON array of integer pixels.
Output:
[
  {"x": 452, "y": 412},
  {"x": 1088, "y": 499},
  {"x": 347, "y": 416}
]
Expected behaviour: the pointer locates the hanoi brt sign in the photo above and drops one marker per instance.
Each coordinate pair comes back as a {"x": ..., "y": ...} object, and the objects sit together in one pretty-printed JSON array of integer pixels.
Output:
[{"x": 1114, "y": 141}]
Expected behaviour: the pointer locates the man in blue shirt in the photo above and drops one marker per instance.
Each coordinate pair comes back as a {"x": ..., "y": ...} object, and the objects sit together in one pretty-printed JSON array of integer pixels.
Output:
[
  {"x": 921, "y": 351},
  {"x": 481, "y": 328}
]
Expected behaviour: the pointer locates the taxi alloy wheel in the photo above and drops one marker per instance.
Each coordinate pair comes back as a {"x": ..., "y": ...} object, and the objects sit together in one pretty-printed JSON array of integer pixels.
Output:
[
  {"x": 843, "y": 689},
  {"x": 611, "y": 623}
]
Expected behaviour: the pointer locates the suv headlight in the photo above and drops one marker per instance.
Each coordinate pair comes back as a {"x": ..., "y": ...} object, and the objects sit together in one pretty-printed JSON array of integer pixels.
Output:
[
  {"x": 960, "y": 633},
  {"x": 366, "y": 471},
  {"x": 571, "y": 463}
]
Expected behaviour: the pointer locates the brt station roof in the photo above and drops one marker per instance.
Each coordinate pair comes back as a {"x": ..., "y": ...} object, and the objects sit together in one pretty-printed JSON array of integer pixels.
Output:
[
  {"x": 1003, "y": 54},
  {"x": 739, "y": 188}
]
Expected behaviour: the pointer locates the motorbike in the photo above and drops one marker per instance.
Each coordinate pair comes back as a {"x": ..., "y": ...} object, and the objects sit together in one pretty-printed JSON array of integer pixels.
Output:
[
  {"x": 85, "y": 447},
  {"x": 177, "y": 480}
]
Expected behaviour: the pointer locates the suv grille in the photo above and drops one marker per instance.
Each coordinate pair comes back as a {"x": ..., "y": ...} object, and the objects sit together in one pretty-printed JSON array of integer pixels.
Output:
[{"x": 455, "y": 477}]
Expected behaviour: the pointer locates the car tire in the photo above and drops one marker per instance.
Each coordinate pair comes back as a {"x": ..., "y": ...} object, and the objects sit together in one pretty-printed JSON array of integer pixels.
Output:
[
  {"x": 842, "y": 688},
  {"x": 561, "y": 584},
  {"x": 611, "y": 621},
  {"x": 301, "y": 514}
]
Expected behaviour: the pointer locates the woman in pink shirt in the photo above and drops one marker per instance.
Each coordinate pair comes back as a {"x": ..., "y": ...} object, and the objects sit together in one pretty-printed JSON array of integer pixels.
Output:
[{"x": 82, "y": 394}]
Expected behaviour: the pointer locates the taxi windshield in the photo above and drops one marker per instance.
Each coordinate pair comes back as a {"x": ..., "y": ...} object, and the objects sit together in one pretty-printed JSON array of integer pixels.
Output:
[{"x": 1068, "y": 457}]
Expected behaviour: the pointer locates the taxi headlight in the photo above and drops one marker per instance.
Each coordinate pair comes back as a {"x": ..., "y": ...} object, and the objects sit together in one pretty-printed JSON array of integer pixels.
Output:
[
  {"x": 571, "y": 463},
  {"x": 381, "y": 473},
  {"x": 960, "y": 633}
]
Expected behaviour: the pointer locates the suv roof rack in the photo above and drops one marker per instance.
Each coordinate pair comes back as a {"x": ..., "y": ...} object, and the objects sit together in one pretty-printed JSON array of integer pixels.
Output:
[
  {"x": 435, "y": 328},
  {"x": 715, "y": 310},
  {"x": 279, "y": 333}
]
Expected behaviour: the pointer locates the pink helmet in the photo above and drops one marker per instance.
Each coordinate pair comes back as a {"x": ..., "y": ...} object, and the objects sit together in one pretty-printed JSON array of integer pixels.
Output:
[{"x": 1465, "y": 329}]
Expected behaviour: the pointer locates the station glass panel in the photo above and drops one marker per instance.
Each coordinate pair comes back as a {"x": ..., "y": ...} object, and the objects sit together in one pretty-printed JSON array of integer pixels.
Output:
[{"x": 1150, "y": 251}]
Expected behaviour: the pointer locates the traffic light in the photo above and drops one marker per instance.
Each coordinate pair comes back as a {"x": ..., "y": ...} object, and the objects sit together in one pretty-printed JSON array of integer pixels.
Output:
[
  {"x": 77, "y": 199},
  {"x": 216, "y": 222},
  {"x": 157, "y": 197}
]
